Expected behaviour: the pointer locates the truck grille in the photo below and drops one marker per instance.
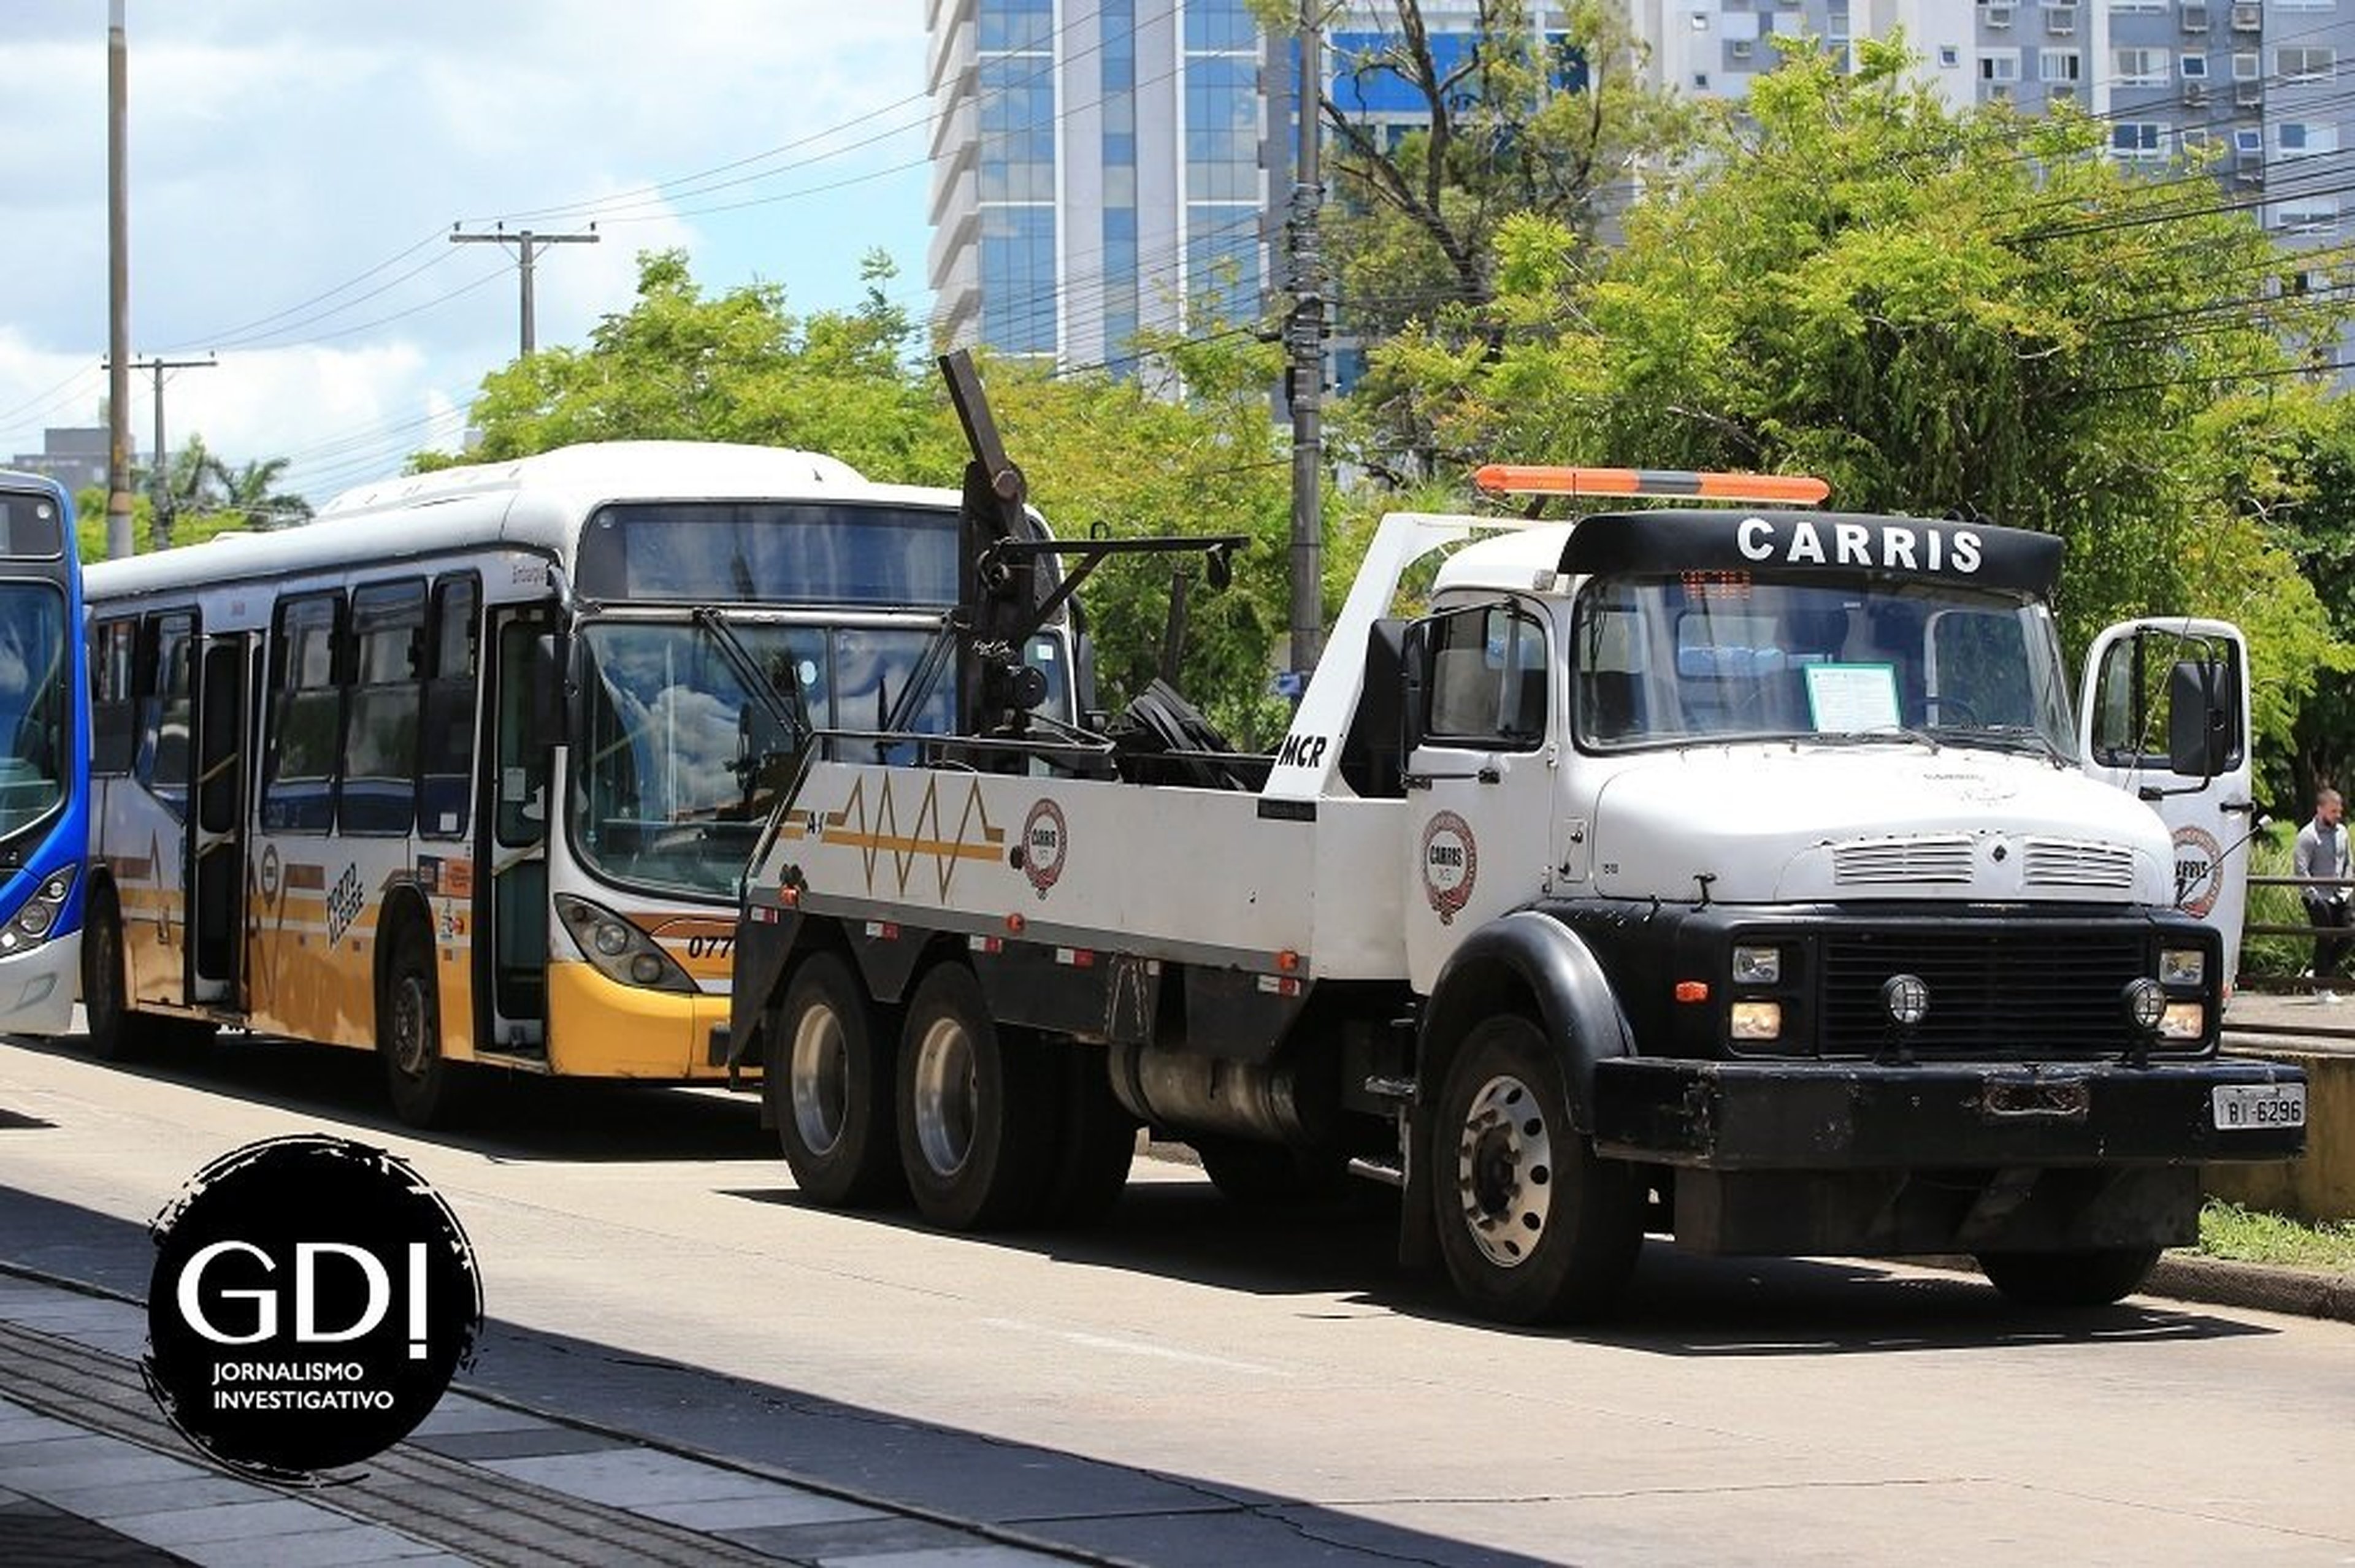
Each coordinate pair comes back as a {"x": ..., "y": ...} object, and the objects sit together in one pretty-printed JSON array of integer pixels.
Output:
[
  {"x": 2061, "y": 863},
  {"x": 1902, "y": 860},
  {"x": 1991, "y": 994}
]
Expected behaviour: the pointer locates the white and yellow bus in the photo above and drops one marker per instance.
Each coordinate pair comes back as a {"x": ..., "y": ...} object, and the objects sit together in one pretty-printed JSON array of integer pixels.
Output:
[{"x": 466, "y": 770}]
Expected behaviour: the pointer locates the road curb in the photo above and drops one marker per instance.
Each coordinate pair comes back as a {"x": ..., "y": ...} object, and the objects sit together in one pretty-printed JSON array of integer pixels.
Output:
[{"x": 2217, "y": 1281}]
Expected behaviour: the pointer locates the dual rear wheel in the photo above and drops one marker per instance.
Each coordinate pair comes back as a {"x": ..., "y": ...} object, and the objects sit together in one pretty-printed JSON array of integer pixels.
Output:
[{"x": 984, "y": 1126}]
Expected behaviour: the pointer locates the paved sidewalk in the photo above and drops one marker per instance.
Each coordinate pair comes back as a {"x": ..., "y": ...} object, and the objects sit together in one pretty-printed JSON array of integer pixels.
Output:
[{"x": 91, "y": 1475}]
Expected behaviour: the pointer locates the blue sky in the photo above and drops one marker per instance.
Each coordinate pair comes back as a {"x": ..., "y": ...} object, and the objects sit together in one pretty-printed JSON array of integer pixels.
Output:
[{"x": 296, "y": 166}]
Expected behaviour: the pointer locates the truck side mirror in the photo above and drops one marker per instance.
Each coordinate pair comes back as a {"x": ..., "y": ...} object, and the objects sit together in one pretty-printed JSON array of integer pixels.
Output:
[
  {"x": 2199, "y": 720},
  {"x": 551, "y": 674},
  {"x": 1414, "y": 687}
]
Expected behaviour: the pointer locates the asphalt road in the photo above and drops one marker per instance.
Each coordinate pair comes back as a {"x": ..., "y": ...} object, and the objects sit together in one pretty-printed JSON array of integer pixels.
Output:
[{"x": 1190, "y": 1384}]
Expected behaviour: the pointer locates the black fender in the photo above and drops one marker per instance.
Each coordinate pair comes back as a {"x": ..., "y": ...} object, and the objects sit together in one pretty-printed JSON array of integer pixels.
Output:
[
  {"x": 765, "y": 939},
  {"x": 1525, "y": 962},
  {"x": 1528, "y": 962}
]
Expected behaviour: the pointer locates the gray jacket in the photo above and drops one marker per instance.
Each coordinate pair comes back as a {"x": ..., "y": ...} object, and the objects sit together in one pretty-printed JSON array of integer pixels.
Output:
[{"x": 2317, "y": 855}]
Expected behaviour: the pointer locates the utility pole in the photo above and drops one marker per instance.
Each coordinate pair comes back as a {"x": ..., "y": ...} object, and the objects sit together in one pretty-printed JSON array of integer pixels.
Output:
[
  {"x": 1305, "y": 345},
  {"x": 526, "y": 243},
  {"x": 119, "y": 542},
  {"x": 159, "y": 522}
]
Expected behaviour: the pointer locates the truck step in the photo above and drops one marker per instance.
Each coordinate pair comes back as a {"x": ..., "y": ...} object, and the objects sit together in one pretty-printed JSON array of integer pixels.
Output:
[
  {"x": 1381, "y": 1170},
  {"x": 1401, "y": 1089}
]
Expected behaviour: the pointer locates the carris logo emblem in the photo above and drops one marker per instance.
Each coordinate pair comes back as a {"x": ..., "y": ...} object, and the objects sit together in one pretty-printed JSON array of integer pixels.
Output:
[
  {"x": 1045, "y": 839},
  {"x": 1451, "y": 864}
]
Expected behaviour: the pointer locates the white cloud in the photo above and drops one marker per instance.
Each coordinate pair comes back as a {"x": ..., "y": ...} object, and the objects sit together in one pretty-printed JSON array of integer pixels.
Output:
[{"x": 279, "y": 149}]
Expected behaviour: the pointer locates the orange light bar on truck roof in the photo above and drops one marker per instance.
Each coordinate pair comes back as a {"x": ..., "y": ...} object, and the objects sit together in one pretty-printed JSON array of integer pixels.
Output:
[{"x": 1517, "y": 479}]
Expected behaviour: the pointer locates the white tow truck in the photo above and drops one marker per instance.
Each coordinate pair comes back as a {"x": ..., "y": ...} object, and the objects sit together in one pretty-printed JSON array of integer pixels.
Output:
[{"x": 1728, "y": 874}]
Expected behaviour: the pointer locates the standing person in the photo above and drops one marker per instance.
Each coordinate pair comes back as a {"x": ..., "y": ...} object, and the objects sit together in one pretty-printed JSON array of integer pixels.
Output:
[{"x": 2321, "y": 854}]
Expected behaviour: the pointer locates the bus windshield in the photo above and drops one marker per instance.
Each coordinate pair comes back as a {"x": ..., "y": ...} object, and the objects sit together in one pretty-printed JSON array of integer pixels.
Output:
[
  {"x": 1733, "y": 654},
  {"x": 676, "y": 765},
  {"x": 33, "y": 709}
]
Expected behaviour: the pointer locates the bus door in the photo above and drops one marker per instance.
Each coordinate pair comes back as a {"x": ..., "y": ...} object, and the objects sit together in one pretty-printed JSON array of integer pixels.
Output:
[
  {"x": 217, "y": 816},
  {"x": 512, "y": 902}
]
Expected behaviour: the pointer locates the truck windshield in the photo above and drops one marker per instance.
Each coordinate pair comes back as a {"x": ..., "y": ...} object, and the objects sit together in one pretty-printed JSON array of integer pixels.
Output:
[
  {"x": 33, "y": 713},
  {"x": 1715, "y": 655}
]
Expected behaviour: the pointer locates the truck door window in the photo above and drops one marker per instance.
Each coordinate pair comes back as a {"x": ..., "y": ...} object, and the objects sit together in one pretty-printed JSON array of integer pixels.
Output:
[{"x": 1488, "y": 677}]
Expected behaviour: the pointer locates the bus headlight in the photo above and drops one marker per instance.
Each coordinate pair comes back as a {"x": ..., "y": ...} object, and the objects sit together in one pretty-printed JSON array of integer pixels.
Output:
[
  {"x": 39, "y": 915},
  {"x": 618, "y": 950}
]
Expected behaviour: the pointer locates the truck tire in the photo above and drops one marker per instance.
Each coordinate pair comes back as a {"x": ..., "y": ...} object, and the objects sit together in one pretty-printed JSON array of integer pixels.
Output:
[
  {"x": 976, "y": 1109},
  {"x": 425, "y": 1086},
  {"x": 1098, "y": 1142},
  {"x": 829, "y": 1071},
  {"x": 2095, "y": 1277},
  {"x": 1534, "y": 1228}
]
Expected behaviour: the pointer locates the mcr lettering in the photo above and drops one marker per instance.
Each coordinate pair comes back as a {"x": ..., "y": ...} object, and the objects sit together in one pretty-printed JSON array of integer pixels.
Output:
[
  {"x": 1888, "y": 546},
  {"x": 1302, "y": 752}
]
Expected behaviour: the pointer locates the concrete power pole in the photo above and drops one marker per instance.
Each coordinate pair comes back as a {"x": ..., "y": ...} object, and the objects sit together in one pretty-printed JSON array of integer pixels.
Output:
[
  {"x": 119, "y": 542},
  {"x": 1305, "y": 345},
  {"x": 527, "y": 244},
  {"x": 159, "y": 521}
]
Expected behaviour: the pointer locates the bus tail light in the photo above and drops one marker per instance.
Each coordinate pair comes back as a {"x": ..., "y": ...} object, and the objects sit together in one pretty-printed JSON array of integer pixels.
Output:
[{"x": 618, "y": 950}]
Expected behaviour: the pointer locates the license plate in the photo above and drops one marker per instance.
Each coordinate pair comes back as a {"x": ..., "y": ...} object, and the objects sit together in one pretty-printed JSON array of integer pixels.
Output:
[{"x": 2244, "y": 1105}]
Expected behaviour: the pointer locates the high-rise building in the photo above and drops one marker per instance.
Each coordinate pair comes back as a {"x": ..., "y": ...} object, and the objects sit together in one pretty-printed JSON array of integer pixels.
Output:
[{"x": 1098, "y": 165}]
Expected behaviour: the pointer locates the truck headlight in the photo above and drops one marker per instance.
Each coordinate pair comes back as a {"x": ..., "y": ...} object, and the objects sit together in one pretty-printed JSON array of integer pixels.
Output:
[
  {"x": 1757, "y": 965},
  {"x": 2145, "y": 1004},
  {"x": 1757, "y": 1021},
  {"x": 2183, "y": 1021},
  {"x": 2182, "y": 966}
]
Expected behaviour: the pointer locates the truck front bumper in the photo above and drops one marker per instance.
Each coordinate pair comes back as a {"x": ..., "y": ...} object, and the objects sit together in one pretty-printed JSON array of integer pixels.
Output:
[{"x": 1858, "y": 1158}]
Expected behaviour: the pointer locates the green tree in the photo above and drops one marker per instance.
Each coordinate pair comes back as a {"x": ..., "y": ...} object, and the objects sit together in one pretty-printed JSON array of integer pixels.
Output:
[
  {"x": 249, "y": 492},
  {"x": 679, "y": 365},
  {"x": 1942, "y": 314}
]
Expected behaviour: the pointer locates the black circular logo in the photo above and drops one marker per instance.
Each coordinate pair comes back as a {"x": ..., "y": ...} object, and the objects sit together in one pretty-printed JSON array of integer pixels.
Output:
[{"x": 311, "y": 1299}]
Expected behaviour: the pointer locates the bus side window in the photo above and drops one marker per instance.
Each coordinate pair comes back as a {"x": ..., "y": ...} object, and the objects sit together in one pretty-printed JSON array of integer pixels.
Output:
[
  {"x": 446, "y": 761},
  {"x": 306, "y": 716},
  {"x": 115, "y": 722},
  {"x": 387, "y": 692},
  {"x": 161, "y": 677}
]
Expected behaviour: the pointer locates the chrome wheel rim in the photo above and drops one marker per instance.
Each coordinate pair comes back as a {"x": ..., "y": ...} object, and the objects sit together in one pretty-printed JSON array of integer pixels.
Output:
[
  {"x": 947, "y": 1082},
  {"x": 1504, "y": 1171},
  {"x": 821, "y": 1080}
]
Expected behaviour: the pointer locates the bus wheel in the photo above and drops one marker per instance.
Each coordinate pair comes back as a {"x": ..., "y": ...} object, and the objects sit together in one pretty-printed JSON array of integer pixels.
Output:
[
  {"x": 1098, "y": 1141},
  {"x": 2097, "y": 1276},
  {"x": 1533, "y": 1226},
  {"x": 976, "y": 1109},
  {"x": 115, "y": 1033},
  {"x": 422, "y": 1082},
  {"x": 830, "y": 1079}
]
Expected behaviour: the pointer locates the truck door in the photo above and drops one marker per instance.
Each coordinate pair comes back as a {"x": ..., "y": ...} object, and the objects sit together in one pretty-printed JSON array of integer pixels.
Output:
[
  {"x": 217, "y": 820},
  {"x": 1482, "y": 700},
  {"x": 2165, "y": 718}
]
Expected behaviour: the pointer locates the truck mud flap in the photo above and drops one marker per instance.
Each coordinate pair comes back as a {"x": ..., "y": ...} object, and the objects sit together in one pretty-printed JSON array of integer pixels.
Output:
[{"x": 1746, "y": 1115}]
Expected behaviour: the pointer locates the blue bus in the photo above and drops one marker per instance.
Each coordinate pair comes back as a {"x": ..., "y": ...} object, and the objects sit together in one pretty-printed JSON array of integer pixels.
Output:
[{"x": 44, "y": 757}]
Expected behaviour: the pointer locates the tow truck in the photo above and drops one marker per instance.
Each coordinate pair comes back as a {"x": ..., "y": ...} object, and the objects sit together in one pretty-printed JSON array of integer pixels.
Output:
[{"x": 1727, "y": 872}]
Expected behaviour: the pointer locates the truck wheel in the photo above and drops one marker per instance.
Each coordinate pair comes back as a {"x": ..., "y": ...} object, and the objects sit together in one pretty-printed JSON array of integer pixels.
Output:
[
  {"x": 976, "y": 1109},
  {"x": 1534, "y": 1226},
  {"x": 831, "y": 1080},
  {"x": 424, "y": 1084},
  {"x": 105, "y": 987},
  {"x": 2097, "y": 1276},
  {"x": 1097, "y": 1145}
]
